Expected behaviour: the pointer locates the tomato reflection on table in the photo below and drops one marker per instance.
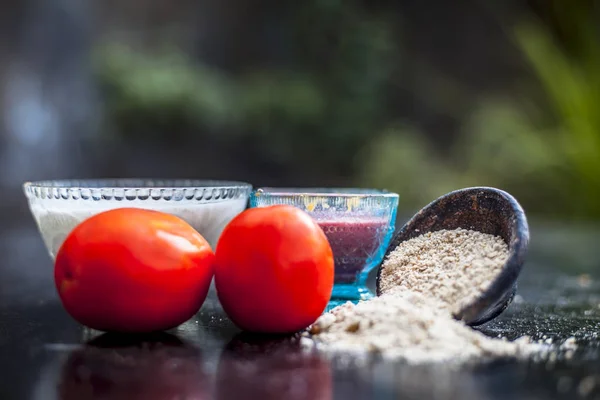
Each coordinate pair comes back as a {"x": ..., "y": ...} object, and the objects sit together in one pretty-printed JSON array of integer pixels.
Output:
[
  {"x": 271, "y": 367},
  {"x": 112, "y": 366}
]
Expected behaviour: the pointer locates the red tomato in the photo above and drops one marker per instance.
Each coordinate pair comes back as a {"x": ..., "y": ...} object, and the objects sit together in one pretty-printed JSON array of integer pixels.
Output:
[
  {"x": 133, "y": 270},
  {"x": 273, "y": 270}
]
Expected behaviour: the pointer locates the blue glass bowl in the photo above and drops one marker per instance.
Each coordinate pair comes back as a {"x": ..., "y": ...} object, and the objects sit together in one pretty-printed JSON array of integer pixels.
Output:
[{"x": 359, "y": 224}]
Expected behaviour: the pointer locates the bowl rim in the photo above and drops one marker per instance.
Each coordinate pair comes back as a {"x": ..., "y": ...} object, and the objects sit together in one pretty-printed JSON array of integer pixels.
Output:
[
  {"x": 195, "y": 190},
  {"x": 323, "y": 192},
  {"x": 133, "y": 183}
]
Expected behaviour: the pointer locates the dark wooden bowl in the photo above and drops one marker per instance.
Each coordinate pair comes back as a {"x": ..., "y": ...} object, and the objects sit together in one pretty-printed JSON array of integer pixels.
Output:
[{"x": 483, "y": 209}]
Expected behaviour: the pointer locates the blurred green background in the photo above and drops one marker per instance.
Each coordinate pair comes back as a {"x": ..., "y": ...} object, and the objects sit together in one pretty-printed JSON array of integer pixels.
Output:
[{"x": 418, "y": 99}]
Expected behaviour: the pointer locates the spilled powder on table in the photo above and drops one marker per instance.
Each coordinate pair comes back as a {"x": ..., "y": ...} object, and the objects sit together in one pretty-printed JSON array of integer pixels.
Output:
[
  {"x": 424, "y": 280},
  {"x": 410, "y": 327}
]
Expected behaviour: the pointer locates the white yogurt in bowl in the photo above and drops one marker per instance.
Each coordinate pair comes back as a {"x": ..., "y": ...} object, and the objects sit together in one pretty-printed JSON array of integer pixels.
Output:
[{"x": 208, "y": 206}]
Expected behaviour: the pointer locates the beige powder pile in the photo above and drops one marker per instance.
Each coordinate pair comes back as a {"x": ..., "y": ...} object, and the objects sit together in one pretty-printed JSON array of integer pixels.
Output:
[
  {"x": 426, "y": 279},
  {"x": 452, "y": 266},
  {"x": 409, "y": 327}
]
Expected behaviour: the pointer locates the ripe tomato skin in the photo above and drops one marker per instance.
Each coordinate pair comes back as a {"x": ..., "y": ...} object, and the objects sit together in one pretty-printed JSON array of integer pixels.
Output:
[
  {"x": 133, "y": 270},
  {"x": 273, "y": 270}
]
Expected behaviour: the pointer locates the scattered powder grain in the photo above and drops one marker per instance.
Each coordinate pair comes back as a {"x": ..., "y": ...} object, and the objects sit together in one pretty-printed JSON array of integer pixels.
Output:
[
  {"x": 453, "y": 266},
  {"x": 423, "y": 281},
  {"x": 408, "y": 327},
  {"x": 569, "y": 344}
]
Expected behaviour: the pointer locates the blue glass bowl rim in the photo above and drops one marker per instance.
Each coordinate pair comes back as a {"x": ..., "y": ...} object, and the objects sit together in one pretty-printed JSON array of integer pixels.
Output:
[{"x": 323, "y": 192}]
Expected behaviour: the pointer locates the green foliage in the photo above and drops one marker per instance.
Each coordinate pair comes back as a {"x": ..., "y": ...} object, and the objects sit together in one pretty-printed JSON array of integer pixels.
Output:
[
  {"x": 143, "y": 91},
  {"x": 546, "y": 153},
  {"x": 402, "y": 160},
  {"x": 572, "y": 86},
  {"x": 330, "y": 101},
  {"x": 501, "y": 146},
  {"x": 334, "y": 102}
]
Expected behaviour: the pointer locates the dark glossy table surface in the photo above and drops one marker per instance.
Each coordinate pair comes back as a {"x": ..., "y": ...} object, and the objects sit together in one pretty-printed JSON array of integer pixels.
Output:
[{"x": 45, "y": 355}]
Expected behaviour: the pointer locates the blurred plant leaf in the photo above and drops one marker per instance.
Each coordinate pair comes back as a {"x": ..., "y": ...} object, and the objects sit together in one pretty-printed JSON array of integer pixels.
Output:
[
  {"x": 165, "y": 85},
  {"x": 401, "y": 160},
  {"x": 572, "y": 88}
]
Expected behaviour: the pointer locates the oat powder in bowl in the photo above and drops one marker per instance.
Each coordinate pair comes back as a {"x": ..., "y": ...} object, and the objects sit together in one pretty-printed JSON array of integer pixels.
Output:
[{"x": 453, "y": 266}]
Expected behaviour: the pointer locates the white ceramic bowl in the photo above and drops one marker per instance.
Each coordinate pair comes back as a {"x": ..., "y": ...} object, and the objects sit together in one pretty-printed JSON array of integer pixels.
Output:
[{"x": 59, "y": 206}]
